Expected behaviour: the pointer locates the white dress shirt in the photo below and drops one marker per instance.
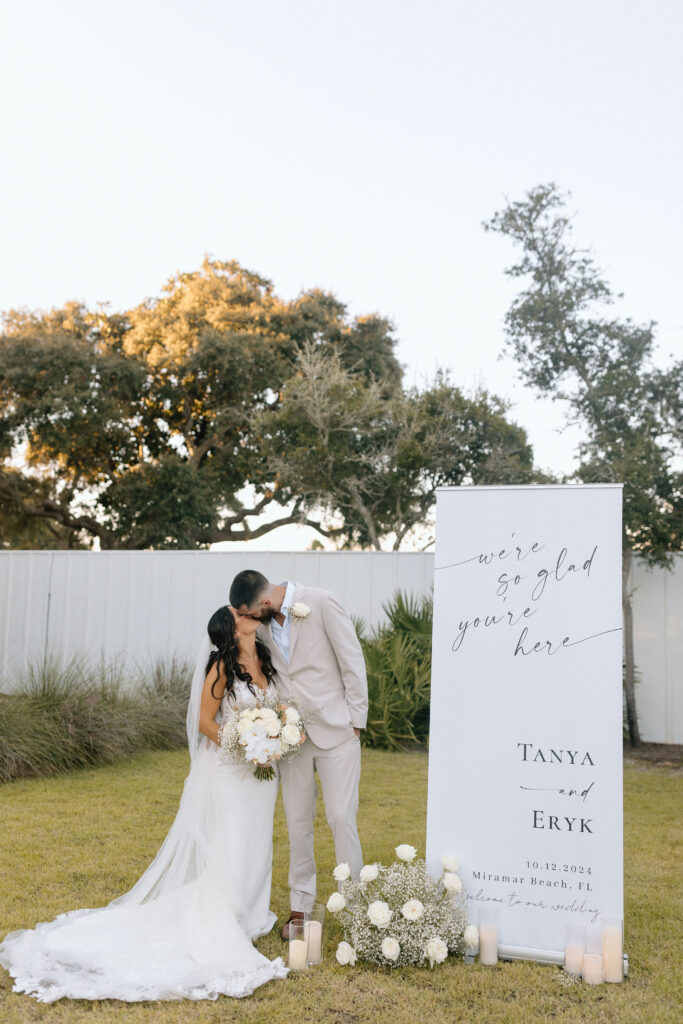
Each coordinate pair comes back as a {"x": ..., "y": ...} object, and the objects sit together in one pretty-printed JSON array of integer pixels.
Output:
[{"x": 281, "y": 633}]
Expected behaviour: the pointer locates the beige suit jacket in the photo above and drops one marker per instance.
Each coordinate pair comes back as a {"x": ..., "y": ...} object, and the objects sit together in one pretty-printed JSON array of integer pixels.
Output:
[{"x": 326, "y": 668}]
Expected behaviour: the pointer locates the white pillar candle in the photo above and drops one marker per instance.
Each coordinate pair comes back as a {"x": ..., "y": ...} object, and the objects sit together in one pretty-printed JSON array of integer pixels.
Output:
[
  {"x": 613, "y": 953},
  {"x": 573, "y": 959},
  {"x": 488, "y": 945},
  {"x": 313, "y": 930},
  {"x": 592, "y": 968},
  {"x": 298, "y": 951}
]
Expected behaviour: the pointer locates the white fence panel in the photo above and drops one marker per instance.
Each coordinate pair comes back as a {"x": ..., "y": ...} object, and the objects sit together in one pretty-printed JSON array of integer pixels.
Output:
[
  {"x": 658, "y": 627},
  {"x": 142, "y": 605}
]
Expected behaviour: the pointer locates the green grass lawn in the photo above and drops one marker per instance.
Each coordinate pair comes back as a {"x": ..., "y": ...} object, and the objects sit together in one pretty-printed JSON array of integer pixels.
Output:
[{"x": 81, "y": 839}]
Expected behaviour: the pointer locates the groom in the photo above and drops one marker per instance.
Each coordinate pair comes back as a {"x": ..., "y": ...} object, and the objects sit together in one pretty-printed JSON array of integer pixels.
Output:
[{"x": 317, "y": 655}]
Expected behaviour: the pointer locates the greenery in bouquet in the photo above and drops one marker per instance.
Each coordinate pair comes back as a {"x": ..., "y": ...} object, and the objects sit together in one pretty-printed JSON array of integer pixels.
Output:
[
  {"x": 259, "y": 736},
  {"x": 400, "y": 914}
]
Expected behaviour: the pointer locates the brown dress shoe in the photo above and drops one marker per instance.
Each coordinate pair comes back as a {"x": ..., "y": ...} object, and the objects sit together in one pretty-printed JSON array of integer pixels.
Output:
[{"x": 296, "y": 915}]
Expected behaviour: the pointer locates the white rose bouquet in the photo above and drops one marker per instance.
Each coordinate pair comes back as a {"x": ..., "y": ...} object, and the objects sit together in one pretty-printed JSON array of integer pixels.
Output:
[
  {"x": 259, "y": 736},
  {"x": 401, "y": 915}
]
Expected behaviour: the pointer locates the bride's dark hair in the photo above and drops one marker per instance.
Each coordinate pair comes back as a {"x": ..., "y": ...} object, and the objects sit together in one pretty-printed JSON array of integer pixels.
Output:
[{"x": 221, "y": 630}]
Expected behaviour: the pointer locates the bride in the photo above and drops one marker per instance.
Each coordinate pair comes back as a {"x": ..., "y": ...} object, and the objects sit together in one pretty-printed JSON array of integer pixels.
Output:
[{"x": 185, "y": 929}]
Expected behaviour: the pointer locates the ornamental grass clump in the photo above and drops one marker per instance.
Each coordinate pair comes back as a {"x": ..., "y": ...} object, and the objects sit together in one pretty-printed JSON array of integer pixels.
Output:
[
  {"x": 67, "y": 714},
  {"x": 400, "y": 915}
]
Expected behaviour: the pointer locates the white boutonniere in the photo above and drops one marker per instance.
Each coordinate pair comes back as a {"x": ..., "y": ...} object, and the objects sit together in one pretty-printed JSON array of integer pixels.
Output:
[{"x": 299, "y": 610}]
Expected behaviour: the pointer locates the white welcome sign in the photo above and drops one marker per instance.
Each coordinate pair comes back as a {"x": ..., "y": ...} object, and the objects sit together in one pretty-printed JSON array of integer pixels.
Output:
[{"x": 525, "y": 759}]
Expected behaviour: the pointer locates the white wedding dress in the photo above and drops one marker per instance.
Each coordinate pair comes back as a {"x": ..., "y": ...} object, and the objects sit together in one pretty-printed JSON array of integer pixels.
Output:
[{"x": 185, "y": 930}]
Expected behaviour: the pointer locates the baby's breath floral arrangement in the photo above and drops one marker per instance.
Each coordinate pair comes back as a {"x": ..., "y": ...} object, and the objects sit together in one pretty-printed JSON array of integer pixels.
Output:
[
  {"x": 401, "y": 915},
  {"x": 259, "y": 736}
]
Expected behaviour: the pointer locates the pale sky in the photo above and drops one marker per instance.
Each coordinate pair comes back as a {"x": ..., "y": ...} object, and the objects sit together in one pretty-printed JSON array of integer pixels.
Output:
[{"x": 352, "y": 145}]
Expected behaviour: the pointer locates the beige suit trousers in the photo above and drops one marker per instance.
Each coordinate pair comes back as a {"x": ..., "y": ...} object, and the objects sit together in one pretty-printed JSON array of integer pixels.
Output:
[{"x": 338, "y": 769}]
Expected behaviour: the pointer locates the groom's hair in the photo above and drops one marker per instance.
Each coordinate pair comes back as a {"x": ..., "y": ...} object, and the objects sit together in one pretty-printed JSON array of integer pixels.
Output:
[{"x": 247, "y": 587}]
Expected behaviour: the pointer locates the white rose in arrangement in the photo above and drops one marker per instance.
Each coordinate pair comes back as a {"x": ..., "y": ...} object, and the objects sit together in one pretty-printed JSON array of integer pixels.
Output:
[
  {"x": 436, "y": 951},
  {"x": 272, "y": 726},
  {"x": 300, "y": 610},
  {"x": 413, "y": 910},
  {"x": 471, "y": 936},
  {"x": 405, "y": 852},
  {"x": 452, "y": 882},
  {"x": 369, "y": 873},
  {"x": 268, "y": 713},
  {"x": 336, "y": 903},
  {"x": 379, "y": 913},
  {"x": 342, "y": 872},
  {"x": 243, "y": 725},
  {"x": 391, "y": 949},
  {"x": 250, "y": 714},
  {"x": 291, "y": 735},
  {"x": 449, "y": 863},
  {"x": 292, "y": 716},
  {"x": 346, "y": 954}
]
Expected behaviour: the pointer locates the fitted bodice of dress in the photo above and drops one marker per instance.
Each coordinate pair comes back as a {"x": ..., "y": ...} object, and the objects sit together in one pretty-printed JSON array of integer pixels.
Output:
[{"x": 242, "y": 697}]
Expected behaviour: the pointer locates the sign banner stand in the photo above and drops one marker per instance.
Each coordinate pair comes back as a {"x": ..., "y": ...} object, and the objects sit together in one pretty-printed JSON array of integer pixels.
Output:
[
  {"x": 542, "y": 956},
  {"x": 525, "y": 750}
]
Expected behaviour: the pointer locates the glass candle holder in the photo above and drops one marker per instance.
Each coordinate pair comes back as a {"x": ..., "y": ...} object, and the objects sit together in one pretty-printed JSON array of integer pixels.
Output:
[
  {"x": 488, "y": 936},
  {"x": 592, "y": 958},
  {"x": 613, "y": 949},
  {"x": 298, "y": 946},
  {"x": 574, "y": 949},
  {"x": 313, "y": 931}
]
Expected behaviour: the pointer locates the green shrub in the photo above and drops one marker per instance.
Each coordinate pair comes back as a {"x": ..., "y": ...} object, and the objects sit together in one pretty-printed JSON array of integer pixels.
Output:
[
  {"x": 75, "y": 714},
  {"x": 398, "y": 659}
]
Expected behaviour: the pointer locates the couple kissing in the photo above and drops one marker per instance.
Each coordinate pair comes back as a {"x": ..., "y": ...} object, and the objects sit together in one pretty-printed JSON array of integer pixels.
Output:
[{"x": 186, "y": 929}]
